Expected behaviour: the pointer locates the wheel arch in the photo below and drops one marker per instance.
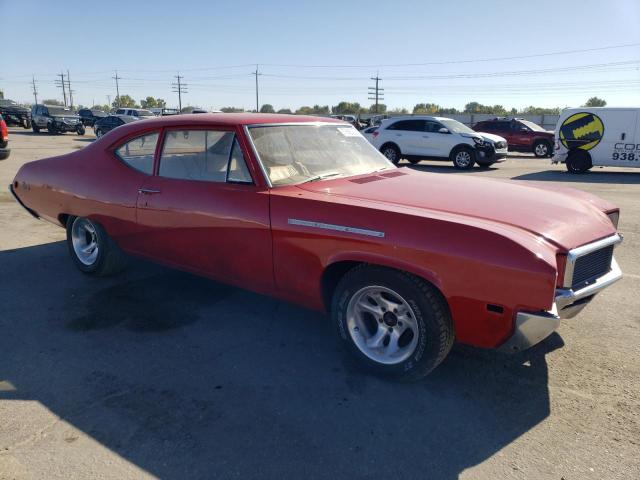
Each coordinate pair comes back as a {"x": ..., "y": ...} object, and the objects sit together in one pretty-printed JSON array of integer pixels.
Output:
[{"x": 390, "y": 143}]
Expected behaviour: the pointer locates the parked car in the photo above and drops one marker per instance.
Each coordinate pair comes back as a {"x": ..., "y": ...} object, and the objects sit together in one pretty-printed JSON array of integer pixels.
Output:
[
  {"x": 15, "y": 114},
  {"x": 107, "y": 124},
  {"x": 369, "y": 133},
  {"x": 585, "y": 137},
  {"x": 422, "y": 137},
  {"x": 135, "y": 112},
  {"x": 306, "y": 210},
  {"x": 4, "y": 139},
  {"x": 522, "y": 135},
  {"x": 89, "y": 117},
  {"x": 55, "y": 119}
]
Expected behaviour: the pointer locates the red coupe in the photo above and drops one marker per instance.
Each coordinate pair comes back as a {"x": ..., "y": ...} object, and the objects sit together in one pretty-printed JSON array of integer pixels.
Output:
[{"x": 306, "y": 210}]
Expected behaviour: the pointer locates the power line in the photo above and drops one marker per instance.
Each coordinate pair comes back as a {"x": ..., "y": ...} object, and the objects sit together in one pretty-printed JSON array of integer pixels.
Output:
[{"x": 180, "y": 88}]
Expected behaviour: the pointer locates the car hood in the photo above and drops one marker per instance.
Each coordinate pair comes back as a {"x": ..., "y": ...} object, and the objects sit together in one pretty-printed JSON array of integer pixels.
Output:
[
  {"x": 565, "y": 217},
  {"x": 486, "y": 136},
  {"x": 66, "y": 117}
]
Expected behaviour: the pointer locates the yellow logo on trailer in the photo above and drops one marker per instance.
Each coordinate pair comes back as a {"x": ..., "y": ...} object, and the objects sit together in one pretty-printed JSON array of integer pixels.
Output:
[{"x": 581, "y": 130}]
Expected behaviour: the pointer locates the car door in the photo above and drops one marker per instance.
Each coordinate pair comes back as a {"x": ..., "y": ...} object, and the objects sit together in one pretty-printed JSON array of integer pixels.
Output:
[
  {"x": 619, "y": 143},
  {"x": 202, "y": 211},
  {"x": 410, "y": 136},
  {"x": 520, "y": 135},
  {"x": 438, "y": 144},
  {"x": 41, "y": 116}
]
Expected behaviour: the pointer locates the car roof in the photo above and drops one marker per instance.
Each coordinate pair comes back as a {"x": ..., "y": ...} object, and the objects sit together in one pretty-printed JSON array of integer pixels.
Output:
[{"x": 234, "y": 119}]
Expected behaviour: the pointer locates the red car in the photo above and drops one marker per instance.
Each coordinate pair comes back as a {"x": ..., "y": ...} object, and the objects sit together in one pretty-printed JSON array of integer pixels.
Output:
[
  {"x": 306, "y": 210},
  {"x": 522, "y": 135},
  {"x": 4, "y": 140}
]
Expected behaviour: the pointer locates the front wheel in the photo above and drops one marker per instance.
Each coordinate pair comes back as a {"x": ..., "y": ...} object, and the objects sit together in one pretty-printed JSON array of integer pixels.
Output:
[
  {"x": 542, "y": 149},
  {"x": 463, "y": 158},
  {"x": 80, "y": 130},
  {"x": 98, "y": 133},
  {"x": 26, "y": 124},
  {"x": 35, "y": 128},
  {"x": 578, "y": 161},
  {"x": 392, "y": 322},
  {"x": 91, "y": 248}
]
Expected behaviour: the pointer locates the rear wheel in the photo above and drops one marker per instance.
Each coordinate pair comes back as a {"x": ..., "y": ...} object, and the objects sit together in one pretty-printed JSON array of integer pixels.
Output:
[
  {"x": 392, "y": 152},
  {"x": 392, "y": 322},
  {"x": 578, "y": 161},
  {"x": 414, "y": 161},
  {"x": 463, "y": 157},
  {"x": 91, "y": 248},
  {"x": 541, "y": 148}
]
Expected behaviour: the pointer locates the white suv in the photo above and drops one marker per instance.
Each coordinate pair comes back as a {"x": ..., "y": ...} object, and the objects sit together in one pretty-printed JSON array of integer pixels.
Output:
[
  {"x": 136, "y": 112},
  {"x": 420, "y": 137}
]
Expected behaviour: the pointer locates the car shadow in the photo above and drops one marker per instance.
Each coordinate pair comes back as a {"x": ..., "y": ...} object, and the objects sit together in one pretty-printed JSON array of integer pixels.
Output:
[
  {"x": 591, "y": 176},
  {"x": 444, "y": 167},
  {"x": 188, "y": 378}
]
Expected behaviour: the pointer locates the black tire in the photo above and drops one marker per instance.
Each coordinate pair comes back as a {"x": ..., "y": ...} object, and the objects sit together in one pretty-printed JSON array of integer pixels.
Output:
[
  {"x": 80, "y": 130},
  {"x": 485, "y": 164},
  {"x": 392, "y": 152},
  {"x": 109, "y": 260},
  {"x": 542, "y": 148},
  {"x": 35, "y": 128},
  {"x": 4, "y": 154},
  {"x": 463, "y": 157},
  {"x": 98, "y": 133},
  {"x": 414, "y": 161},
  {"x": 26, "y": 124},
  {"x": 431, "y": 312},
  {"x": 578, "y": 161},
  {"x": 52, "y": 129}
]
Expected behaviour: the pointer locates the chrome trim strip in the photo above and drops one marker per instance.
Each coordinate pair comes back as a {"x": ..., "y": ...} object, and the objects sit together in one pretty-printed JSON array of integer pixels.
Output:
[
  {"x": 576, "y": 253},
  {"x": 565, "y": 297},
  {"x": 255, "y": 153},
  {"x": 338, "y": 228}
]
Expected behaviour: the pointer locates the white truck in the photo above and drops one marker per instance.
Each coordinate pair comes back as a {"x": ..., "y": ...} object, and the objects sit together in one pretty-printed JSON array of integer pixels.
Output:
[{"x": 603, "y": 136}]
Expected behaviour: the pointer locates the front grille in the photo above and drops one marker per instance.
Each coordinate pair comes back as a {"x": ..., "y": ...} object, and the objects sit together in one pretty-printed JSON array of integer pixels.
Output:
[{"x": 591, "y": 266}]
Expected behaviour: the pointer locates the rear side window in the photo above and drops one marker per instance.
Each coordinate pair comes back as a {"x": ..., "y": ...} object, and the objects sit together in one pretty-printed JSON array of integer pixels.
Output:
[
  {"x": 408, "y": 126},
  {"x": 138, "y": 153},
  {"x": 196, "y": 155}
]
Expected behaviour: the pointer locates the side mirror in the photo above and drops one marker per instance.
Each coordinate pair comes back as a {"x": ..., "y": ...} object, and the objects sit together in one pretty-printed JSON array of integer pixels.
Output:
[{"x": 443, "y": 130}]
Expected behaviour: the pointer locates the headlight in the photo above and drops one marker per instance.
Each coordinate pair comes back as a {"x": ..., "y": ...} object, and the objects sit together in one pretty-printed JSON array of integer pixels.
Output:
[
  {"x": 614, "y": 217},
  {"x": 478, "y": 141}
]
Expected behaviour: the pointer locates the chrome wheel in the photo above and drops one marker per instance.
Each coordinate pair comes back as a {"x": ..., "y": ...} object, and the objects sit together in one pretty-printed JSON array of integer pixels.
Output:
[
  {"x": 541, "y": 150},
  {"x": 463, "y": 158},
  {"x": 85, "y": 241},
  {"x": 382, "y": 325},
  {"x": 390, "y": 153}
]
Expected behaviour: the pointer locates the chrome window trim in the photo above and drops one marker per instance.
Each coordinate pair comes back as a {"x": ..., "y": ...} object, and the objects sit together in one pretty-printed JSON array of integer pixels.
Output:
[
  {"x": 338, "y": 228},
  {"x": 578, "y": 252}
]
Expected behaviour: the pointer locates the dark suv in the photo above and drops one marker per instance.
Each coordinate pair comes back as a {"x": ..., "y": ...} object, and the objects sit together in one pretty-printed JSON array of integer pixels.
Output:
[
  {"x": 89, "y": 117},
  {"x": 14, "y": 114},
  {"x": 55, "y": 119},
  {"x": 522, "y": 135}
]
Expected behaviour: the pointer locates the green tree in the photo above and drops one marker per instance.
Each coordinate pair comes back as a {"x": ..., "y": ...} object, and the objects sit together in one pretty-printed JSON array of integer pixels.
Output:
[
  {"x": 151, "y": 102},
  {"x": 382, "y": 108},
  {"x": 531, "y": 110},
  {"x": 267, "y": 108},
  {"x": 320, "y": 110},
  {"x": 595, "y": 102},
  {"x": 53, "y": 101},
  {"x": 428, "y": 108},
  {"x": 231, "y": 109},
  {"x": 304, "y": 111},
  {"x": 352, "y": 108},
  {"x": 126, "y": 102},
  {"x": 104, "y": 108},
  {"x": 448, "y": 111},
  {"x": 399, "y": 111},
  {"x": 285, "y": 110}
]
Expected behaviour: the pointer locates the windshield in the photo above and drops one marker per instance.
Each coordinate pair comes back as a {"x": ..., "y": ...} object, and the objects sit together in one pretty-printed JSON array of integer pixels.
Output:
[
  {"x": 455, "y": 126},
  {"x": 533, "y": 126},
  {"x": 293, "y": 154},
  {"x": 60, "y": 111}
]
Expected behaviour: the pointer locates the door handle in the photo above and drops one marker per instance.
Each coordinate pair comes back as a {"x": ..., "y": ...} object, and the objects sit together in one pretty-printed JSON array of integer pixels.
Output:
[
  {"x": 425, "y": 136},
  {"x": 148, "y": 191},
  {"x": 622, "y": 136}
]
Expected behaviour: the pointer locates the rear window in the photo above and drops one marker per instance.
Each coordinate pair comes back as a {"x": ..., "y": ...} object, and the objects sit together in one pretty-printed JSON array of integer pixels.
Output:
[{"x": 138, "y": 153}]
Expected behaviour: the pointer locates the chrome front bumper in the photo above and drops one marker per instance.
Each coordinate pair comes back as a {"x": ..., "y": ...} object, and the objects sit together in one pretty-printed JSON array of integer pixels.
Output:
[{"x": 533, "y": 327}]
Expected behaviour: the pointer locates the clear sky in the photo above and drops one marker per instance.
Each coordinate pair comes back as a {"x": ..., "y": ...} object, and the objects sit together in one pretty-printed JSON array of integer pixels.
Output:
[{"x": 322, "y": 52}]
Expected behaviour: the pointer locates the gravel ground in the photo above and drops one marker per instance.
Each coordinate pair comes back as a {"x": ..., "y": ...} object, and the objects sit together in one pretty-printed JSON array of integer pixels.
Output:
[{"x": 157, "y": 373}]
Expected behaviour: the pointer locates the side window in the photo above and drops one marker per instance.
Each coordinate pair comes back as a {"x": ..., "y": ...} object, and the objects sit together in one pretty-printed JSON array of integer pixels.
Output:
[
  {"x": 408, "y": 126},
  {"x": 238, "y": 171},
  {"x": 433, "y": 127},
  {"x": 138, "y": 153},
  {"x": 196, "y": 155},
  {"x": 120, "y": 111}
]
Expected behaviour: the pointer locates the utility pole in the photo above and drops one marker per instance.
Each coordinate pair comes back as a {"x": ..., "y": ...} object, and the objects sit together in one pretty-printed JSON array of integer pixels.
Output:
[
  {"x": 257, "y": 74},
  {"x": 35, "y": 90},
  {"x": 62, "y": 83},
  {"x": 116, "y": 78},
  {"x": 109, "y": 102},
  {"x": 179, "y": 87},
  {"x": 70, "y": 91},
  {"x": 378, "y": 93}
]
